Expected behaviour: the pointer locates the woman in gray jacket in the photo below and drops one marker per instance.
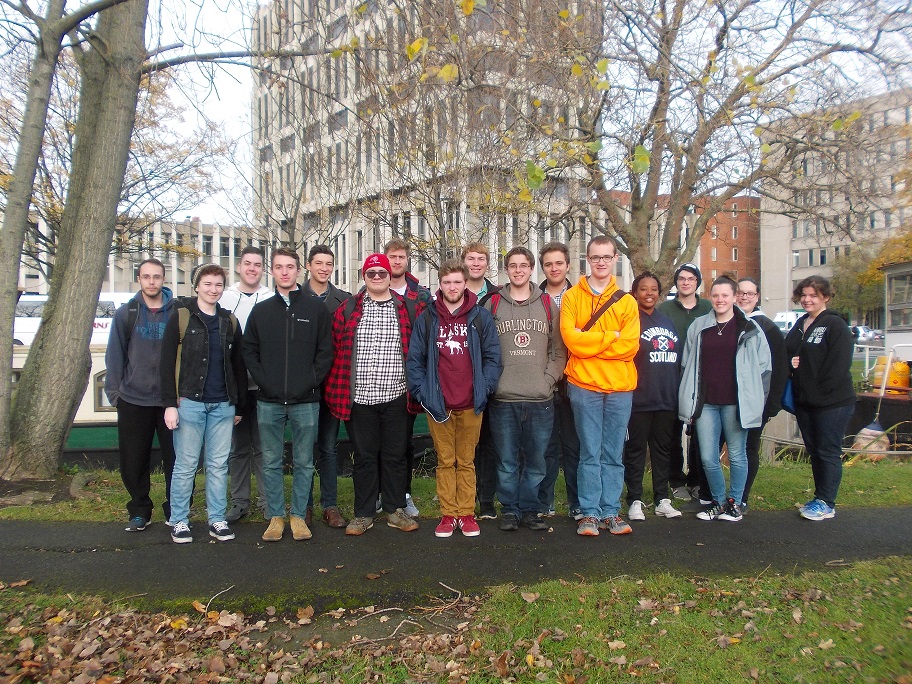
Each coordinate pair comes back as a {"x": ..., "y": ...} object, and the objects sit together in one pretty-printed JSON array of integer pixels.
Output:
[{"x": 725, "y": 379}]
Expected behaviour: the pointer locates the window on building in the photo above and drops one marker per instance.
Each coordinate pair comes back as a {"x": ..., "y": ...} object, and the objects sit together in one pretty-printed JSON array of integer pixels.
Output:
[
  {"x": 714, "y": 232},
  {"x": 836, "y": 252},
  {"x": 794, "y": 229},
  {"x": 224, "y": 246},
  {"x": 237, "y": 248},
  {"x": 735, "y": 209},
  {"x": 823, "y": 257},
  {"x": 207, "y": 245},
  {"x": 796, "y": 258},
  {"x": 888, "y": 219},
  {"x": 734, "y": 253},
  {"x": 713, "y": 254},
  {"x": 101, "y": 399},
  {"x": 734, "y": 232},
  {"x": 810, "y": 257}
]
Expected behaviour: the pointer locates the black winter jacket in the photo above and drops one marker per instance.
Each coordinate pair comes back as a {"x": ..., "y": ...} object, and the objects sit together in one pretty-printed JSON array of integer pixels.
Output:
[
  {"x": 194, "y": 363},
  {"x": 288, "y": 349},
  {"x": 823, "y": 378},
  {"x": 780, "y": 361}
]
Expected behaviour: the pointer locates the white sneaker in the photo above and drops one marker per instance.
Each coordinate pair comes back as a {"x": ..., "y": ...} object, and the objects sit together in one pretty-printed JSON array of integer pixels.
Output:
[
  {"x": 411, "y": 510},
  {"x": 666, "y": 510},
  {"x": 635, "y": 511}
]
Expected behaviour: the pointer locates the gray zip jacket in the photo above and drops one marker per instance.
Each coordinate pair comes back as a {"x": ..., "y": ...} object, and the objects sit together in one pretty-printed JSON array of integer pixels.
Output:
[{"x": 753, "y": 368}]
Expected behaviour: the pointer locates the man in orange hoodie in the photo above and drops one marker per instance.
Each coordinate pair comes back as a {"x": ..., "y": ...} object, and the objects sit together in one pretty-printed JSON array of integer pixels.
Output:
[{"x": 601, "y": 328}]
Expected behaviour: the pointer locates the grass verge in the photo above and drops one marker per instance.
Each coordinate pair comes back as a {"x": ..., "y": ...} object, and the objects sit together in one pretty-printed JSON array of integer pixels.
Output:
[{"x": 849, "y": 624}]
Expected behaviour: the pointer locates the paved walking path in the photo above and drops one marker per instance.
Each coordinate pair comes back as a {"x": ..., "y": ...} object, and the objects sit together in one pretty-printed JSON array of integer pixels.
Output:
[{"x": 101, "y": 558}]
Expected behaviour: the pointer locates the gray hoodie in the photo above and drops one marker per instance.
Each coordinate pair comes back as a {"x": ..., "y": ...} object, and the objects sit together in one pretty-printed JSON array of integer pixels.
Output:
[{"x": 531, "y": 345}]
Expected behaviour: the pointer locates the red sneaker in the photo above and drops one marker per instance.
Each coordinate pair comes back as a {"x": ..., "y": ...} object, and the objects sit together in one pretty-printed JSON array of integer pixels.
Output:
[
  {"x": 446, "y": 526},
  {"x": 468, "y": 526}
]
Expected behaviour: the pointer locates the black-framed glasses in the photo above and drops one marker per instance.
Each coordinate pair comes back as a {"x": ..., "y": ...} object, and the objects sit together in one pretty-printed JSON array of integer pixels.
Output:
[
  {"x": 375, "y": 275},
  {"x": 601, "y": 258}
]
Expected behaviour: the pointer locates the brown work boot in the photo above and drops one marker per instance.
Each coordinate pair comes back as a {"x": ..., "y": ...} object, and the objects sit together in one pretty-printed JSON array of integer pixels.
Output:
[
  {"x": 401, "y": 521},
  {"x": 333, "y": 518},
  {"x": 299, "y": 528},
  {"x": 274, "y": 532},
  {"x": 309, "y": 516}
]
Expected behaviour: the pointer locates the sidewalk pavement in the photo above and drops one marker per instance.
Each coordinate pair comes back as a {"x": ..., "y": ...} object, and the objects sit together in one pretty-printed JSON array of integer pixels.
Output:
[{"x": 100, "y": 558}]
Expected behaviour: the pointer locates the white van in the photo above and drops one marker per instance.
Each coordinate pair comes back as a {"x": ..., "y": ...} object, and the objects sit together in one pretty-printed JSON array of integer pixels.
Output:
[
  {"x": 786, "y": 319},
  {"x": 30, "y": 307}
]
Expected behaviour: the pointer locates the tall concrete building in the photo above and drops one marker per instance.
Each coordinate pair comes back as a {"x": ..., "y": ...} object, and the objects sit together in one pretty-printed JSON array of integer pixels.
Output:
[
  {"x": 405, "y": 129},
  {"x": 843, "y": 194}
]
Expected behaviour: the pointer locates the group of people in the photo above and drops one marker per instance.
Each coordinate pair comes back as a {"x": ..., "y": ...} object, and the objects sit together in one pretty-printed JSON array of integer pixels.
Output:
[{"x": 517, "y": 381}]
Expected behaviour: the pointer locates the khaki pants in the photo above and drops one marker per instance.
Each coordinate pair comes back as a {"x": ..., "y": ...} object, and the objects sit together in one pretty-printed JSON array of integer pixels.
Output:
[{"x": 455, "y": 442}]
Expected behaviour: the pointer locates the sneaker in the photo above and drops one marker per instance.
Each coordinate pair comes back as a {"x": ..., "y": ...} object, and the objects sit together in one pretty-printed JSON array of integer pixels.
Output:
[
  {"x": 588, "y": 526},
  {"x": 549, "y": 514},
  {"x": 731, "y": 512},
  {"x": 445, "y": 527},
  {"x": 509, "y": 522},
  {"x": 236, "y": 512},
  {"x": 712, "y": 512},
  {"x": 468, "y": 526},
  {"x": 681, "y": 493},
  {"x": 221, "y": 531},
  {"x": 379, "y": 505},
  {"x": 817, "y": 510},
  {"x": 300, "y": 530},
  {"x": 533, "y": 522},
  {"x": 180, "y": 533},
  {"x": 275, "y": 530},
  {"x": 486, "y": 511},
  {"x": 575, "y": 514},
  {"x": 666, "y": 510},
  {"x": 136, "y": 524},
  {"x": 358, "y": 526},
  {"x": 411, "y": 510},
  {"x": 401, "y": 521},
  {"x": 616, "y": 525},
  {"x": 635, "y": 511}
]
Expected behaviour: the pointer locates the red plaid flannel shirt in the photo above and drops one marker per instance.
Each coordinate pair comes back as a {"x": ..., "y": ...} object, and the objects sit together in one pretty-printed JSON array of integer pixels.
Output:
[{"x": 337, "y": 390}]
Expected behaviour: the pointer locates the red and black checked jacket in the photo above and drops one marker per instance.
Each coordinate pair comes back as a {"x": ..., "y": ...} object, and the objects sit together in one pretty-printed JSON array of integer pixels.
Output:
[{"x": 337, "y": 391}]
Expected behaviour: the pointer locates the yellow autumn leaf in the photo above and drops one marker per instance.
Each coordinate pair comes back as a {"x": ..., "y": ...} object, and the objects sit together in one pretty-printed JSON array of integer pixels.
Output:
[
  {"x": 530, "y": 659},
  {"x": 199, "y": 607},
  {"x": 179, "y": 623},
  {"x": 468, "y": 6},
  {"x": 563, "y": 14},
  {"x": 525, "y": 195},
  {"x": 448, "y": 73},
  {"x": 576, "y": 69},
  {"x": 213, "y": 615},
  {"x": 415, "y": 48},
  {"x": 536, "y": 103}
]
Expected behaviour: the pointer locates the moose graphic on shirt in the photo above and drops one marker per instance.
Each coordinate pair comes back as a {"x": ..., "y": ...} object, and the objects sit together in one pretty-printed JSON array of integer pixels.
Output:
[{"x": 453, "y": 338}]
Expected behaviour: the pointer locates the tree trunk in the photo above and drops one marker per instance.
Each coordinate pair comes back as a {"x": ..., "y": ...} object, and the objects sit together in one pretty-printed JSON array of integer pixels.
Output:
[
  {"x": 57, "y": 368},
  {"x": 16, "y": 216}
]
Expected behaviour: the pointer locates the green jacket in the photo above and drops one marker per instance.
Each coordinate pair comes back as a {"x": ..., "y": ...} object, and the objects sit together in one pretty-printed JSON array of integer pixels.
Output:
[{"x": 681, "y": 317}]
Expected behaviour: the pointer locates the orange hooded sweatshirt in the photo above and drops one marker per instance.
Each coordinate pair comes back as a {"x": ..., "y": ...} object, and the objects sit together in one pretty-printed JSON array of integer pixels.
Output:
[{"x": 599, "y": 360}]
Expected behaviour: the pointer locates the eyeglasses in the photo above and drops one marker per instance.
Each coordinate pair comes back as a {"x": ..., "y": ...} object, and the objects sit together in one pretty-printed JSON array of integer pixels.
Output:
[
  {"x": 601, "y": 258},
  {"x": 685, "y": 279},
  {"x": 747, "y": 294},
  {"x": 375, "y": 275}
]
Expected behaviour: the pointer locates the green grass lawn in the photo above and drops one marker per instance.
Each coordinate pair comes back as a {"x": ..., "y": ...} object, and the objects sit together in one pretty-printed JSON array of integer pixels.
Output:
[{"x": 780, "y": 485}]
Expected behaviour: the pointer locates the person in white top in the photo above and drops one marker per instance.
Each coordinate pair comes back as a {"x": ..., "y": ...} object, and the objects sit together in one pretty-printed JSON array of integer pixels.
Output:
[{"x": 246, "y": 455}]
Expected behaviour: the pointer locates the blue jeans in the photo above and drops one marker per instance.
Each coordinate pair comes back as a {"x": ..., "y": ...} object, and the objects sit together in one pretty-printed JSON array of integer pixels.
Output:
[
  {"x": 521, "y": 431},
  {"x": 714, "y": 421},
  {"x": 328, "y": 465},
  {"x": 201, "y": 425},
  {"x": 303, "y": 421},
  {"x": 823, "y": 431},
  {"x": 601, "y": 424}
]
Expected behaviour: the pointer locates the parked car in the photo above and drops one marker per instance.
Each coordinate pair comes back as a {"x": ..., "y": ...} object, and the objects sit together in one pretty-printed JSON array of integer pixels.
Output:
[
  {"x": 863, "y": 334},
  {"x": 878, "y": 335}
]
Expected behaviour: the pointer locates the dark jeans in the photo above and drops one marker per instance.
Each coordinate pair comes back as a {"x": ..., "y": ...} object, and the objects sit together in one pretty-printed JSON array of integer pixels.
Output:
[
  {"x": 520, "y": 430},
  {"x": 246, "y": 457},
  {"x": 655, "y": 430},
  {"x": 562, "y": 451},
  {"x": 823, "y": 431},
  {"x": 378, "y": 433},
  {"x": 328, "y": 460},
  {"x": 136, "y": 426},
  {"x": 753, "y": 457},
  {"x": 485, "y": 464},
  {"x": 410, "y": 452}
]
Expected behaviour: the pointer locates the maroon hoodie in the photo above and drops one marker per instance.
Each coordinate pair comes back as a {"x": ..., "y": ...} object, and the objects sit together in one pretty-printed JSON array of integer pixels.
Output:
[{"x": 454, "y": 366}]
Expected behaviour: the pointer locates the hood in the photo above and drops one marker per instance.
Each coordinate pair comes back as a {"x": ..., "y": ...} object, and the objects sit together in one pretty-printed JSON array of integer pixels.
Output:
[
  {"x": 260, "y": 291},
  {"x": 167, "y": 298},
  {"x": 609, "y": 290},
  {"x": 471, "y": 299},
  {"x": 534, "y": 294}
]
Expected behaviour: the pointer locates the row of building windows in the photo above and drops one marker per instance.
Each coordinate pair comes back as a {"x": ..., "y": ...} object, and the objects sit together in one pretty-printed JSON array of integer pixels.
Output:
[{"x": 818, "y": 256}]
